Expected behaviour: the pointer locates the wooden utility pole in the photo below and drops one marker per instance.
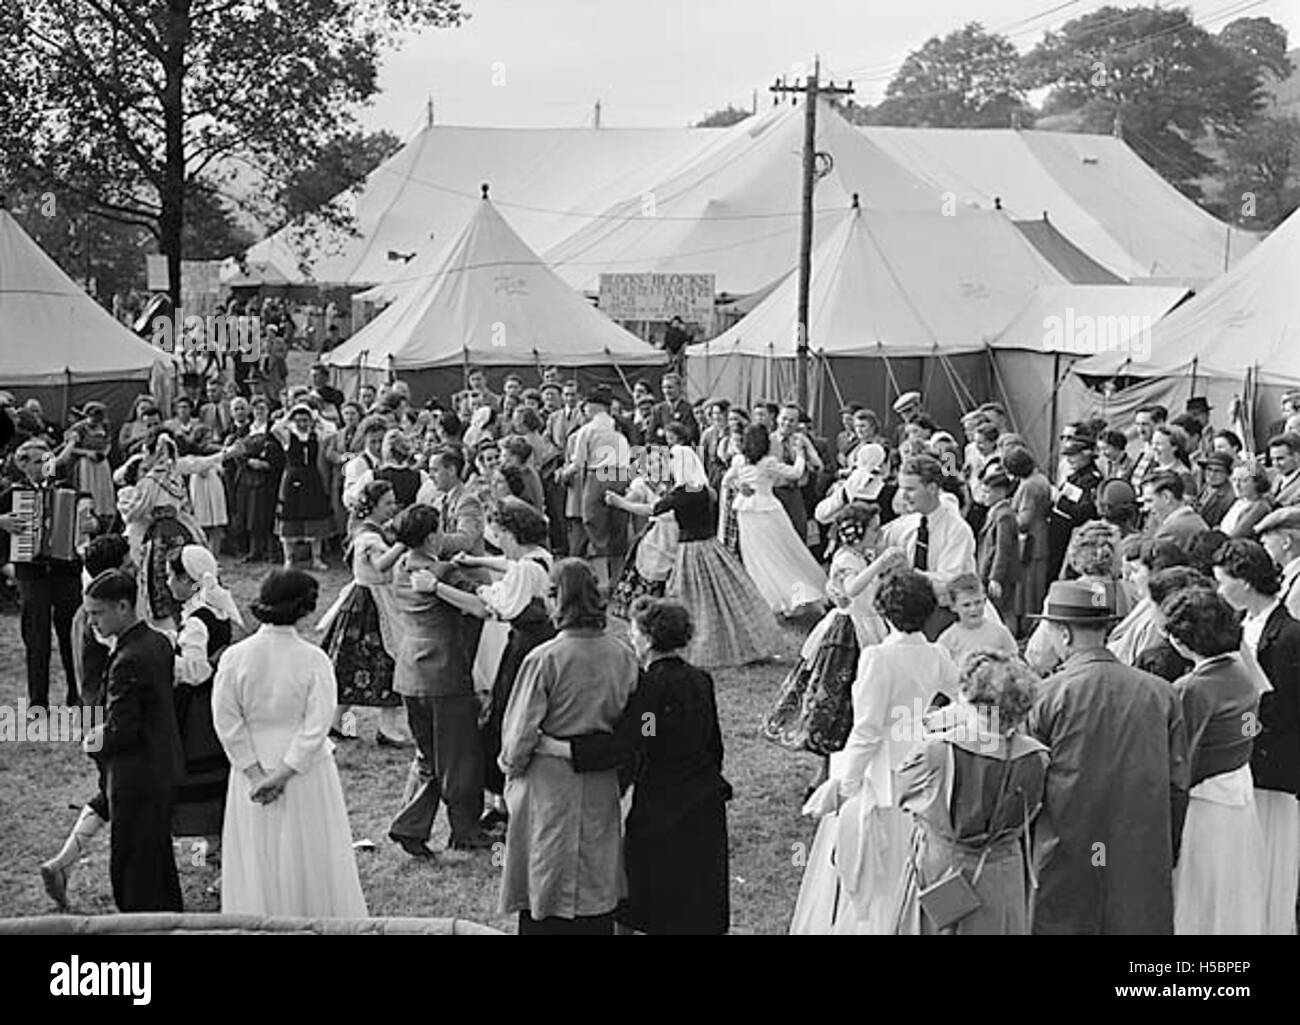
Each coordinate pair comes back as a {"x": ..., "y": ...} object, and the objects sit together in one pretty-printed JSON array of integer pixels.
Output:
[{"x": 812, "y": 88}]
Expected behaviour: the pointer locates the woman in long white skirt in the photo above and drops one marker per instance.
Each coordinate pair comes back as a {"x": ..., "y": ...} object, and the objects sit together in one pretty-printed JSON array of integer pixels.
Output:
[
  {"x": 855, "y": 879},
  {"x": 1219, "y": 886},
  {"x": 286, "y": 845},
  {"x": 772, "y": 552},
  {"x": 1251, "y": 581}
]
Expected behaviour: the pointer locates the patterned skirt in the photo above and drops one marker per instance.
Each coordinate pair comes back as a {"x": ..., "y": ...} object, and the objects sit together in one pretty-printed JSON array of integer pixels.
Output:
[
  {"x": 813, "y": 710},
  {"x": 362, "y": 664},
  {"x": 733, "y": 624},
  {"x": 728, "y": 525},
  {"x": 166, "y": 534}
]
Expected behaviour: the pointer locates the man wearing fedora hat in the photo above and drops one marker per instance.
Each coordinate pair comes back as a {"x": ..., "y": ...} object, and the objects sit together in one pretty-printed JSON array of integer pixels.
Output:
[{"x": 1104, "y": 843}]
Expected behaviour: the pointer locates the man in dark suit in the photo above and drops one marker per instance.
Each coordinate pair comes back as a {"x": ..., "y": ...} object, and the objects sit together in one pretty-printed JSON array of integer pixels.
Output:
[
  {"x": 1105, "y": 841},
  {"x": 139, "y": 748}
]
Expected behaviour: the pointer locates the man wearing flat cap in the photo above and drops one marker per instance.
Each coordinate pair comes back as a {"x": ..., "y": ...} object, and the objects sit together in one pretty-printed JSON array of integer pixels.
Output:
[
  {"x": 907, "y": 407},
  {"x": 1104, "y": 843},
  {"x": 1279, "y": 533},
  {"x": 1216, "y": 495}
]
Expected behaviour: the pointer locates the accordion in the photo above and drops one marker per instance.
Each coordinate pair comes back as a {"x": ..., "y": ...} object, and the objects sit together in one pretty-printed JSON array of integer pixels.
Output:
[{"x": 49, "y": 528}]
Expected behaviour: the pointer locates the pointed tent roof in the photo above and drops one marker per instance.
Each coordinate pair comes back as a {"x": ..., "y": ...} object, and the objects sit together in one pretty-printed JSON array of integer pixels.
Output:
[
  {"x": 899, "y": 284},
  {"x": 734, "y": 211},
  {"x": 491, "y": 302},
  {"x": 1097, "y": 191},
  {"x": 1248, "y": 318},
  {"x": 51, "y": 332},
  {"x": 551, "y": 181}
]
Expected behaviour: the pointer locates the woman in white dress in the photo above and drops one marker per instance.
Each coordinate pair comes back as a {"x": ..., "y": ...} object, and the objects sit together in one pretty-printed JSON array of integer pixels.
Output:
[
  {"x": 286, "y": 845},
  {"x": 774, "y": 555},
  {"x": 854, "y": 880},
  {"x": 1219, "y": 880}
]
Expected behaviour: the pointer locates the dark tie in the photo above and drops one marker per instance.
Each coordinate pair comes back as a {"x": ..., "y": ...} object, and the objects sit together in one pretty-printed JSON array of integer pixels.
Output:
[{"x": 921, "y": 553}]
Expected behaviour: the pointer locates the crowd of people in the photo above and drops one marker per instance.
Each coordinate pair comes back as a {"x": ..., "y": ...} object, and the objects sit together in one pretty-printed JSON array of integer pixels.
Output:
[{"x": 1060, "y": 699}]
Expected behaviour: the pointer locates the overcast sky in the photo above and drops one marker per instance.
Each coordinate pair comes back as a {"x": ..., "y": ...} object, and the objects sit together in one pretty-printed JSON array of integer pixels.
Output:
[{"x": 544, "y": 63}]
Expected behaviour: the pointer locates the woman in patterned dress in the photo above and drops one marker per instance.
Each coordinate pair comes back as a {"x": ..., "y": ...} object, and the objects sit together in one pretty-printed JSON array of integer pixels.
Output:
[
  {"x": 361, "y": 631},
  {"x": 87, "y": 442},
  {"x": 650, "y": 559}
]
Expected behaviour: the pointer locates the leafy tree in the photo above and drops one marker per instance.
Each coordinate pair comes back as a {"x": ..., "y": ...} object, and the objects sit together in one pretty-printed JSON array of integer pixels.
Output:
[
  {"x": 1166, "y": 81},
  {"x": 967, "y": 79},
  {"x": 1261, "y": 43},
  {"x": 1260, "y": 178},
  {"x": 727, "y": 115},
  {"x": 131, "y": 106},
  {"x": 343, "y": 164}
]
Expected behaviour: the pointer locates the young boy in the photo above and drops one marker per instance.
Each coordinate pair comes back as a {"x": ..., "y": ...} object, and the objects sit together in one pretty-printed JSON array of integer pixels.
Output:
[{"x": 974, "y": 630}]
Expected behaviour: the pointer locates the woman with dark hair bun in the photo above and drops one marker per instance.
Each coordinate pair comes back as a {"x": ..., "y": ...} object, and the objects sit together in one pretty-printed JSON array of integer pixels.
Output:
[
  {"x": 854, "y": 880},
  {"x": 1160, "y": 659},
  {"x": 564, "y": 852},
  {"x": 1219, "y": 877},
  {"x": 1250, "y": 581},
  {"x": 676, "y": 845},
  {"x": 272, "y": 705}
]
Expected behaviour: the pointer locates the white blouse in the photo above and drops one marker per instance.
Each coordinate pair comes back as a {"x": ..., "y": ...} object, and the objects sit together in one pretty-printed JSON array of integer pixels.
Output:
[{"x": 525, "y": 580}]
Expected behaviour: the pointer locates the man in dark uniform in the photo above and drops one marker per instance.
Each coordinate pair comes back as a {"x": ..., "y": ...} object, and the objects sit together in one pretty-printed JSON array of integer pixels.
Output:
[
  {"x": 49, "y": 590},
  {"x": 138, "y": 747},
  {"x": 1074, "y": 502}
]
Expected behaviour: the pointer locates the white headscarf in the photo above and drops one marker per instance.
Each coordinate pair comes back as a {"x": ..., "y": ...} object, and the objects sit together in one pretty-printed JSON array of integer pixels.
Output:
[
  {"x": 687, "y": 470},
  {"x": 201, "y": 567}
]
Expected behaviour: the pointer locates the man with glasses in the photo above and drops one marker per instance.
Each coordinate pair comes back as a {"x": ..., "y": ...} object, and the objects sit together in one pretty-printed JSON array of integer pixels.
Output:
[{"x": 1216, "y": 495}]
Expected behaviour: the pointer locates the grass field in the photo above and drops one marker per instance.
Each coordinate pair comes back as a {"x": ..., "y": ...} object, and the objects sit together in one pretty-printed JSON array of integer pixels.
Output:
[{"x": 43, "y": 784}]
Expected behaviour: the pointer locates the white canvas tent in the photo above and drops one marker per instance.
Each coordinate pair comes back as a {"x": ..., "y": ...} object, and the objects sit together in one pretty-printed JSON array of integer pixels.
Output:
[
  {"x": 734, "y": 210},
  {"x": 899, "y": 300},
  {"x": 1059, "y": 325},
  {"x": 491, "y": 303},
  {"x": 1094, "y": 188},
  {"x": 56, "y": 343},
  {"x": 1239, "y": 337},
  {"x": 549, "y": 181}
]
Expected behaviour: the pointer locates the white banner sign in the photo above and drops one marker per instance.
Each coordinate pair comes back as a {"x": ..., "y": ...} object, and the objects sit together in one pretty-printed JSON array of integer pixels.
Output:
[{"x": 658, "y": 297}]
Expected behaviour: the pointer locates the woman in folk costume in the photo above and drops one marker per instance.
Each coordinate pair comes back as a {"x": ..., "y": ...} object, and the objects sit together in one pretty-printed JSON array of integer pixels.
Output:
[
  {"x": 564, "y": 848},
  {"x": 287, "y": 845},
  {"x": 304, "y": 508},
  {"x": 728, "y": 454},
  {"x": 87, "y": 442},
  {"x": 733, "y": 625},
  {"x": 813, "y": 710},
  {"x": 155, "y": 506},
  {"x": 972, "y": 790},
  {"x": 650, "y": 558},
  {"x": 1219, "y": 879},
  {"x": 1250, "y": 581},
  {"x": 517, "y": 601},
  {"x": 207, "y": 486},
  {"x": 773, "y": 554},
  {"x": 361, "y": 628},
  {"x": 207, "y": 619},
  {"x": 853, "y": 882}
]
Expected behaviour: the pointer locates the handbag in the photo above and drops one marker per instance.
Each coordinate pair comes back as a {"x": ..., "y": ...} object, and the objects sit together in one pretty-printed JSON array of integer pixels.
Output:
[{"x": 952, "y": 897}]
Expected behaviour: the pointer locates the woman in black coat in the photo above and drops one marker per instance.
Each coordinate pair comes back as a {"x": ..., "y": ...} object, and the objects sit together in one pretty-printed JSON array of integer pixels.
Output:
[{"x": 668, "y": 742}]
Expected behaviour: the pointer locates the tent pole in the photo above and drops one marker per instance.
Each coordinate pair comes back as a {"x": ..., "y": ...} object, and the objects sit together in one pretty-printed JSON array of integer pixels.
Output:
[
  {"x": 1002, "y": 388},
  {"x": 621, "y": 376},
  {"x": 67, "y": 393},
  {"x": 1194, "y": 363},
  {"x": 1053, "y": 425}
]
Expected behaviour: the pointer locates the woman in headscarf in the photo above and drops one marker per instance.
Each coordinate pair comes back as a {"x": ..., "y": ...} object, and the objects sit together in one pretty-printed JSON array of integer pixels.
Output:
[
  {"x": 155, "y": 506},
  {"x": 650, "y": 558},
  {"x": 304, "y": 510},
  {"x": 207, "y": 618},
  {"x": 287, "y": 845}
]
